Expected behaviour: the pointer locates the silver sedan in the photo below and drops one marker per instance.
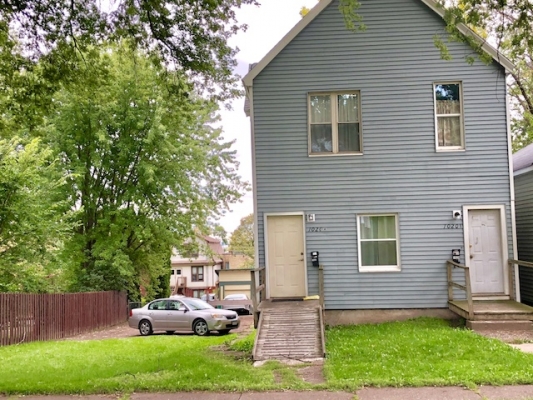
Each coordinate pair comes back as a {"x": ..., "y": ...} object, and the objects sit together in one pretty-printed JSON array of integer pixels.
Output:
[{"x": 182, "y": 314}]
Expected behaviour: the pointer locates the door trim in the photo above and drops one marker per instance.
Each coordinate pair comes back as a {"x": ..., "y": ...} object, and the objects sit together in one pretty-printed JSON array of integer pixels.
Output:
[
  {"x": 503, "y": 236},
  {"x": 265, "y": 231}
]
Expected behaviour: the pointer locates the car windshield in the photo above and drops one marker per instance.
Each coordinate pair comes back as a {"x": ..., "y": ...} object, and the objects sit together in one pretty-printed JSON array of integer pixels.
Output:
[{"x": 196, "y": 304}]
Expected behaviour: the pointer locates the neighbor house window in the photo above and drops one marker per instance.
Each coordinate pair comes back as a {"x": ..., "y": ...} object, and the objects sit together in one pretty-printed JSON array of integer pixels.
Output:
[
  {"x": 197, "y": 274},
  {"x": 226, "y": 265},
  {"x": 335, "y": 123},
  {"x": 379, "y": 249},
  {"x": 449, "y": 116}
]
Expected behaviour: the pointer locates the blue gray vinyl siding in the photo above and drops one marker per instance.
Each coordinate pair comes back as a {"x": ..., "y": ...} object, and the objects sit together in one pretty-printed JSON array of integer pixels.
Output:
[
  {"x": 524, "y": 231},
  {"x": 394, "y": 65}
]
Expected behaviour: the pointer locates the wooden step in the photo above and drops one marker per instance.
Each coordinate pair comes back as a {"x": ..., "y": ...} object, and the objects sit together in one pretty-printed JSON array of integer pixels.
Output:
[
  {"x": 493, "y": 310},
  {"x": 500, "y": 325}
]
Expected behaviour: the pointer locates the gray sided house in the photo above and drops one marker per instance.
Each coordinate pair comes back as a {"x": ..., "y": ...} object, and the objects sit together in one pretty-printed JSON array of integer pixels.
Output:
[
  {"x": 375, "y": 152},
  {"x": 523, "y": 181}
]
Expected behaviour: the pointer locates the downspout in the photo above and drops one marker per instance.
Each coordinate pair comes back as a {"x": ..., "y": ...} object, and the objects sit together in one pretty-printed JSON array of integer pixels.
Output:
[{"x": 511, "y": 187}]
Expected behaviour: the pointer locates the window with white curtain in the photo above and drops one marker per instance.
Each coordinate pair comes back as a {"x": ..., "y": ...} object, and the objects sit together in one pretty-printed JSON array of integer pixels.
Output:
[
  {"x": 378, "y": 243},
  {"x": 449, "y": 116},
  {"x": 335, "y": 123}
]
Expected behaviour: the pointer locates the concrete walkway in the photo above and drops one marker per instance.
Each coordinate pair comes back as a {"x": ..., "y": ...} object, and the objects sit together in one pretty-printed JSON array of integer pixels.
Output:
[{"x": 518, "y": 392}]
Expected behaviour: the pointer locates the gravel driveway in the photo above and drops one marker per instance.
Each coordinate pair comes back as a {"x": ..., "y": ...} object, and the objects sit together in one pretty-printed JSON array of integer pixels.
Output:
[{"x": 124, "y": 331}]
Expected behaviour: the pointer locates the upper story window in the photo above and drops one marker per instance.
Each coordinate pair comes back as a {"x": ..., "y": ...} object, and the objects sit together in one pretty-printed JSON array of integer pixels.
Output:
[
  {"x": 197, "y": 274},
  {"x": 378, "y": 245},
  {"x": 449, "y": 116},
  {"x": 335, "y": 123}
]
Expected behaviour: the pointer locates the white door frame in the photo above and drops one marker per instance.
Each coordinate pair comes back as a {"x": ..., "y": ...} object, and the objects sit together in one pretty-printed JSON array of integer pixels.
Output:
[
  {"x": 265, "y": 233},
  {"x": 503, "y": 235}
]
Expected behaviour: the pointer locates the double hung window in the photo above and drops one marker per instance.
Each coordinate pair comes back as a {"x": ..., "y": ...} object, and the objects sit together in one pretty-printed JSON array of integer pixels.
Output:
[
  {"x": 335, "y": 123},
  {"x": 197, "y": 274},
  {"x": 379, "y": 249}
]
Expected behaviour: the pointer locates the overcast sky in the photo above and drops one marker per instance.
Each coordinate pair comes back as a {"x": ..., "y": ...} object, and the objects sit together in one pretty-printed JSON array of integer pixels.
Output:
[{"x": 267, "y": 24}]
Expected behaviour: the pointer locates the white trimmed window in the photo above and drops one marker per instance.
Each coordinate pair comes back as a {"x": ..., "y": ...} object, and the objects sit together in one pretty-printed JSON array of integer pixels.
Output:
[
  {"x": 335, "y": 123},
  {"x": 378, "y": 244},
  {"x": 197, "y": 274},
  {"x": 449, "y": 125}
]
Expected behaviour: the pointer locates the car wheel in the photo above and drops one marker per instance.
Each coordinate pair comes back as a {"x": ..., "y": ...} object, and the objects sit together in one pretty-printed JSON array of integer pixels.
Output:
[
  {"x": 170, "y": 332},
  {"x": 200, "y": 328},
  {"x": 145, "y": 328},
  {"x": 223, "y": 331}
]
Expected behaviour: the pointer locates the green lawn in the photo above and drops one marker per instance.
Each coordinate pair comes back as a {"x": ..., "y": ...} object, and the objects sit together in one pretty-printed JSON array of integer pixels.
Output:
[
  {"x": 411, "y": 353},
  {"x": 420, "y": 352},
  {"x": 155, "y": 363}
]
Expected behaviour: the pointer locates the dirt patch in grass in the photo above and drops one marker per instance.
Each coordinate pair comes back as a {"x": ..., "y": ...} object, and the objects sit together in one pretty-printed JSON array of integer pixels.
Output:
[
  {"x": 313, "y": 374},
  {"x": 509, "y": 336}
]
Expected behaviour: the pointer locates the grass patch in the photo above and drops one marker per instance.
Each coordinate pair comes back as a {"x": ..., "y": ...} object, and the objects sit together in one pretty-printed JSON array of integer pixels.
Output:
[
  {"x": 420, "y": 352},
  {"x": 155, "y": 363},
  {"x": 246, "y": 344}
]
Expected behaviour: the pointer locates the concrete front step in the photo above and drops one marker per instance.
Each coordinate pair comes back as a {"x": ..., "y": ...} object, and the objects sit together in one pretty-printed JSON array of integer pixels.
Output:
[{"x": 491, "y": 325}]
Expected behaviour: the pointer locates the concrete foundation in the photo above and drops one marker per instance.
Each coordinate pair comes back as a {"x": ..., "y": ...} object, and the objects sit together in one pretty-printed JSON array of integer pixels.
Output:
[{"x": 351, "y": 317}]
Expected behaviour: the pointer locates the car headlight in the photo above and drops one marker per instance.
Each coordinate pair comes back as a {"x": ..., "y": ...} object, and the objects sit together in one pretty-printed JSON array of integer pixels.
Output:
[{"x": 217, "y": 316}]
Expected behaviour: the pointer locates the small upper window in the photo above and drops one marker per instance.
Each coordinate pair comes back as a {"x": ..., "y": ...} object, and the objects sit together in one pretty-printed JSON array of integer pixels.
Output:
[
  {"x": 379, "y": 249},
  {"x": 449, "y": 116},
  {"x": 335, "y": 123},
  {"x": 197, "y": 274}
]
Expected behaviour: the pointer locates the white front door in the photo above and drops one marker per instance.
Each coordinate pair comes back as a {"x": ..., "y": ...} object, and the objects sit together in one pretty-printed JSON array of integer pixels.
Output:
[
  {"x": 486, "y": 253},
  {"x": 285, "y": 257}
]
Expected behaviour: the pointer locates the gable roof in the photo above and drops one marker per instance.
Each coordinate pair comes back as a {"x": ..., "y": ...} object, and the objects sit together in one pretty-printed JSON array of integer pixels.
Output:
[
  {"x": 523, "y": 158},
  {"x": 315, "y": 11}
]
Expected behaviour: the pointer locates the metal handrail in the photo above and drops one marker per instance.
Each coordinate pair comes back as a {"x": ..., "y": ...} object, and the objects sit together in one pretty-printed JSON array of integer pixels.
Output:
[{"x": 467, "y": 287}]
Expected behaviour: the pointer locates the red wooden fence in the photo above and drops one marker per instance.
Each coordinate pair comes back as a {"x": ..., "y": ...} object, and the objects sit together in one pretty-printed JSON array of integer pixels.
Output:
[{"x": 31, "y": 317}]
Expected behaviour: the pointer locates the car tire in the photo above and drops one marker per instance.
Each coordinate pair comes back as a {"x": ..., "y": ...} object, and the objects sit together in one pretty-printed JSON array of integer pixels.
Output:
[
  {"x": 200, "y": 328},
  {"x": 170, "y": 332},
  {"x": 145, "y": 328},
  {"x": 223, "y": 331}
]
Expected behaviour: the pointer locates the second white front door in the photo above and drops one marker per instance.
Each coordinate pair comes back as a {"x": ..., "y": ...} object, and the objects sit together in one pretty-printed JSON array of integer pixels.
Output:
[
  {"x": 486, "y": 252},
  {"x": 285, "y": 257}
]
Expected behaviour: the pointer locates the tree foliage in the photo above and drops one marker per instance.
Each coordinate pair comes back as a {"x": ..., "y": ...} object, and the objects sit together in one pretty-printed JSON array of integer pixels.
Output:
[
  {"x": 242, "y": 238},
  {"x": 145, "y": 165},
  {"x": 509, "y": 26},
  {"x": 190, "y": 35},
  {"x": 33, "y": 223}
]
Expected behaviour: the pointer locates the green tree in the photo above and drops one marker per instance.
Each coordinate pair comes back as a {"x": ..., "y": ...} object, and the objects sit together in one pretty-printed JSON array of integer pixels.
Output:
[
  {"x": 147, "y": 166},
  {"x": 242, "y": 238},
  {"x": 192, "y": 36},
  {"x": 33, "y": 222}
]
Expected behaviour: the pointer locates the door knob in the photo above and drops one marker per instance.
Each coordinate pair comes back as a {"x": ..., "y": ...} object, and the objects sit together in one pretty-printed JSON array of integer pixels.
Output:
[{"x": 471, "y": 256}]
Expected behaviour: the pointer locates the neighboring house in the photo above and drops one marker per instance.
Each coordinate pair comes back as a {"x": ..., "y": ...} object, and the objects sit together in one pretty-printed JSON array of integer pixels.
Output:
[
  {"x": 231, "y": 260},
  {"x": 234, "y": 281},
  {"x": 371, "y": 149},
  {"x": 193, "y": 274},
  {"x": 523, "y": 181}
]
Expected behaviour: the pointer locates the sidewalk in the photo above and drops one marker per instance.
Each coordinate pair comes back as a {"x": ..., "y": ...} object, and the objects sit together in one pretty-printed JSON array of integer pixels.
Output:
[{"x": 424, "y": 393}]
